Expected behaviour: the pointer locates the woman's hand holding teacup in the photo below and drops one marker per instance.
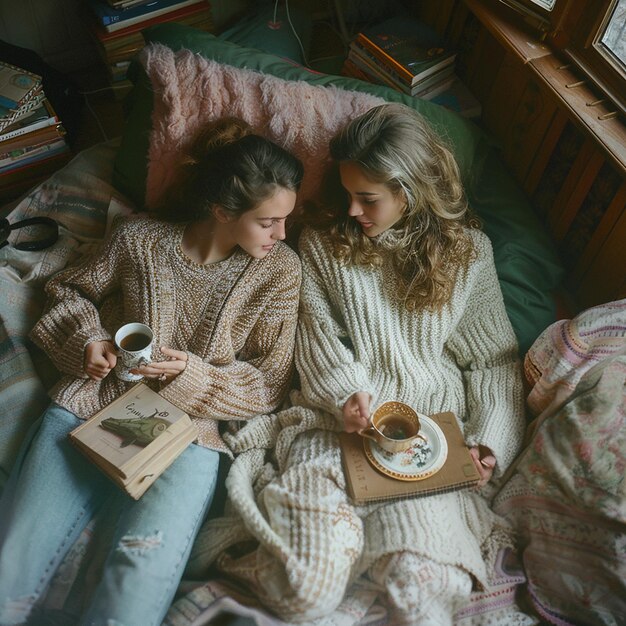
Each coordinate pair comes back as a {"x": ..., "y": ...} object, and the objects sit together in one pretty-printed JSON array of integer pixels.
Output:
[
  {"x": 356, "y": 412},
  {"x": 100, "y": 359},
  {"x": 485, "y": 463},
  {"x": 165, "y": 371}
]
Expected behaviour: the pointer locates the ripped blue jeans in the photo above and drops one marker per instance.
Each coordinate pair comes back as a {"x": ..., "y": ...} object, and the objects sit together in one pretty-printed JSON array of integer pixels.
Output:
[{"x": 53, "y": 493}]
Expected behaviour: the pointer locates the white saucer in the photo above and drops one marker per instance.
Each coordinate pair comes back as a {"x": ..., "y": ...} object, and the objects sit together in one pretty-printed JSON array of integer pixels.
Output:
[{"x": 421, "y": 460}]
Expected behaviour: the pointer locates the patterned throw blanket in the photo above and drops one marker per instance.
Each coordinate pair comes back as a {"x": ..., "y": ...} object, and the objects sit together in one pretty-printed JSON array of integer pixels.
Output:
[
  {"x": 77, "y": 197},
  {"x": 567, "y": 495}
]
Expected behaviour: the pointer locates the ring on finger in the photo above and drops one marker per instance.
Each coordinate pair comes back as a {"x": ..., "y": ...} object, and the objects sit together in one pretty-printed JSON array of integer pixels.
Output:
[{"x": 162, "y": 377}]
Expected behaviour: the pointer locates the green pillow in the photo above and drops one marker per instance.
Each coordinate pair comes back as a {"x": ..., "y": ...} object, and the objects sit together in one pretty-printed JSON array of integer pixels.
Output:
[
  {"x": 528, "y": 268},
  {"x": 527, "y": 264}
]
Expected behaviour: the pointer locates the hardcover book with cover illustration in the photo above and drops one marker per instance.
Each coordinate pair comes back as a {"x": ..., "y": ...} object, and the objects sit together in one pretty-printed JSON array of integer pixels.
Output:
[
  {"x": 135, "y": 439},
  {"x": 408, "y": 46},
  {"x": 442, "y": 463}
]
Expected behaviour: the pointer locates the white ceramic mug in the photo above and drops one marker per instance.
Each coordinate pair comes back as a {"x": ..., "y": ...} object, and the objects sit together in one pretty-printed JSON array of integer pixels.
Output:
[{"x": 134, "y": 349}]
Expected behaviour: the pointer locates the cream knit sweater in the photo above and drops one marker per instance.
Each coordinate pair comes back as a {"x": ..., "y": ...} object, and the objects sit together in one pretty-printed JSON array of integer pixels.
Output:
[
  {"x": 353, "y": 335},
  {"x": 236, "y": 319}
]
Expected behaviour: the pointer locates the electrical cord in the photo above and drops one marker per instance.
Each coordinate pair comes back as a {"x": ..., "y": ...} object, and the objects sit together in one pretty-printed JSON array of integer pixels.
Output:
[
  {"x": 95, "y": 117},
  {"x": 293, "y": 30}
]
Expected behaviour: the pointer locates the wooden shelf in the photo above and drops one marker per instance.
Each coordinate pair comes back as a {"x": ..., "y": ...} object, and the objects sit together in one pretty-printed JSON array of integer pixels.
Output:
[
  {"x": 523, "y": 43},
  {"x": 596, "y": 118}
]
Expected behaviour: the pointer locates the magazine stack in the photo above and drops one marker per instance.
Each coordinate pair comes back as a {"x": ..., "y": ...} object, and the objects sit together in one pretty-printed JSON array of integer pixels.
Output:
[{"x": 32, "y": 138}]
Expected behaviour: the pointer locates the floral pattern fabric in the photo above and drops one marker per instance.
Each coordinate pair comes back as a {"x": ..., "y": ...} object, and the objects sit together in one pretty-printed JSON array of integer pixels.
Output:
[{"x": 567, "y": 494}]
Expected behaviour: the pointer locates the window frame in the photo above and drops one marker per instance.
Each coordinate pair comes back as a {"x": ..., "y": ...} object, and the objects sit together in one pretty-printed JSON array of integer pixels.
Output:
[
  {"x": 541, "y": 19},
  {"x": 574, "y": 28},
  {"x": 583, "y": 49}
]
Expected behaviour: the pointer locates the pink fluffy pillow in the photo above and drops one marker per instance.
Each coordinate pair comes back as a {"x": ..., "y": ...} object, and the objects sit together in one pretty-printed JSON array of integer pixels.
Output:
[{"x": 190, "y": 90}]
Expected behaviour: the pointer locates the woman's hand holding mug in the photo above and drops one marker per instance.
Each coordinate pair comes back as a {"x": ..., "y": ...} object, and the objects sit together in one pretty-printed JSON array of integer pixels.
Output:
[
  {"x": 100, "y": 359},
  {"x": 165, "y": 371}
]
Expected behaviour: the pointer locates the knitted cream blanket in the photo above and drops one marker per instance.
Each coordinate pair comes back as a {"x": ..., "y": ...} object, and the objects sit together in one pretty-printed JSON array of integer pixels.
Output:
[
  {"x": 287, "y": 471},
  {"x": 287, "y": 488}
]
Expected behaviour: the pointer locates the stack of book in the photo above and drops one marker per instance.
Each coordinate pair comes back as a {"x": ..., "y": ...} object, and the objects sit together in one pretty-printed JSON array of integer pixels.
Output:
[
  {"x": 409, "y": 56},
  {"x": 32, "y": 138},
  {"x": 116, "y": 28},
  {"x": 403, "y": 53}
]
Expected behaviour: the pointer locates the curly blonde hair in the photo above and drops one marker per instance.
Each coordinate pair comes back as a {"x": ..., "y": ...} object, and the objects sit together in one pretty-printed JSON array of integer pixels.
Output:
[{"x": 395, "y": 146}]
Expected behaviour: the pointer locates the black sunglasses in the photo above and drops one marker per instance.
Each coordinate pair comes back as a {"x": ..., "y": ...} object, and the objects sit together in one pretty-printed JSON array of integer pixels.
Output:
[{"x": 50, "y": 233}]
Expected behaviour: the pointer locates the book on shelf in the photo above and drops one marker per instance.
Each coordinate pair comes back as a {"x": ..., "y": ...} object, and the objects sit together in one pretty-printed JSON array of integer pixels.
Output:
[
  {"x": 374, "y": 72},
  {"x": 408, "y": 46},
  {"x": 8, "y": 116},
  {"x": 117, "y": 48},
  {"x": 135, "y": 438},
  {"x": 41, "y": 135},
  {"x": 18, "y": 179},
  {"x": 123, "y": 44},
  {"x": 43, "y": 115},
  {"x": 17, "y": 157},
  {"x": 366, "y": 484},
  {"x": 200, "y": 9},
  {"x": 116, "y": 19},
  {"x": 17, "y": 86},
  {"x": 126, "y": 4}
]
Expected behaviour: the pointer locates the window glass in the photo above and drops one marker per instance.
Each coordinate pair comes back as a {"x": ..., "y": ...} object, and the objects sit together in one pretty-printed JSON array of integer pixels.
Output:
[
  {"x": 548, "y": 5},
  {"x": 614, "y": 35}
]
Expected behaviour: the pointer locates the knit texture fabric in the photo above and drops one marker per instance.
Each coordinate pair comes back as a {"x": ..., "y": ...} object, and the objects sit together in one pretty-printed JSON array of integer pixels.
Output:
[
  {"x": 461, "y": 359},
  {"x": 354, "y": 335},
  {"x": 235, "y": 319}
]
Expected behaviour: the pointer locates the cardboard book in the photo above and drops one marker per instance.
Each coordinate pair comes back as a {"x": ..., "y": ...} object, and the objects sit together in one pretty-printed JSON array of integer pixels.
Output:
[
  {"x": 135, "y": 438},
  {"x": 365, "y": 483}
]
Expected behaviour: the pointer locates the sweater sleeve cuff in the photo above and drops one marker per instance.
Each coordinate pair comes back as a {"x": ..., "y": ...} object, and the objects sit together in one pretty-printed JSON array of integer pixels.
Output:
[
  {"x": 504, "y": 440},
  {"x": 187, "y": 384},
  {"x": 70, "y": 358}
]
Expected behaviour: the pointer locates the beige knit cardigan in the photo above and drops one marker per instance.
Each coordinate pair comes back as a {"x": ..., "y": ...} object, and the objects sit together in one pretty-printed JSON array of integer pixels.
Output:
[{"x": 240, "y": 350}]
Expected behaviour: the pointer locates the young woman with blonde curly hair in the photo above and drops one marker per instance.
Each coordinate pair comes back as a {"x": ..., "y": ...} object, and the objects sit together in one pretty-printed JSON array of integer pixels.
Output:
[{"x": 400, "y": 301}]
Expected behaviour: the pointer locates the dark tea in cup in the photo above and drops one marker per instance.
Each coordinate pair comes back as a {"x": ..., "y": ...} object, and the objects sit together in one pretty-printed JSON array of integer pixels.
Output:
[
  {"x": 396, "y": 426},
  {"x": 135, "y": 342}
]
